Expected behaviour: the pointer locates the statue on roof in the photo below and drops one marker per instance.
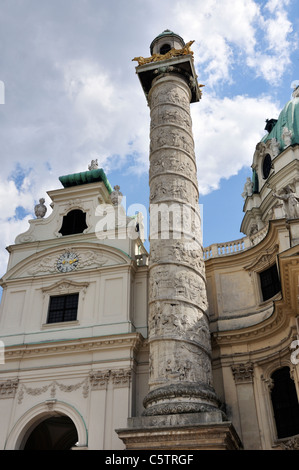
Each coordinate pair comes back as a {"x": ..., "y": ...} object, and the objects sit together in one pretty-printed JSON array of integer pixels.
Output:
[
  {"x": 40, "y": 209},
  {"x": 248, "y": 188},
  {"x": 290, "y": 201},
  {"x": 116, "y": 196},
  {"x": 287, "y": 136},
  {"x": 93, "y": 165},
  {"x": 172, "y": 53}
]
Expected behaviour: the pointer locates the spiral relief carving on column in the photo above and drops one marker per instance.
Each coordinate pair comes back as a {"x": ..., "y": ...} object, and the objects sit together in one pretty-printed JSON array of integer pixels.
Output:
[{"x": 179, "y": 337}]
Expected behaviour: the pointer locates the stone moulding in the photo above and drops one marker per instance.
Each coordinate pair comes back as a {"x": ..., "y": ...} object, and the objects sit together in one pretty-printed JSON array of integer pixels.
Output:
[
  {"x": 191, "y": 436},
  {"x": 119, "y": 377},
  {"x": 200, "y": 396},
  {"x": 134, "y": 341}
]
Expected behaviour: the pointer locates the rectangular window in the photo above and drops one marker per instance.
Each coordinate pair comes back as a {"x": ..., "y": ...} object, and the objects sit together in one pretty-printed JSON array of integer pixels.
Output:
[
  {"x": 63, "y": 308},
  {"x": 270, "y": 284}
]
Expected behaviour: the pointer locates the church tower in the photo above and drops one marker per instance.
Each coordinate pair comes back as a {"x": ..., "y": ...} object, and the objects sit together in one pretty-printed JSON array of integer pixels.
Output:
[{"x": 180, "y": 373}]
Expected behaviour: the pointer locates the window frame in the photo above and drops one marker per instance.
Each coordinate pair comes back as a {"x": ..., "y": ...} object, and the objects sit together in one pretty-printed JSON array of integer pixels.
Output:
[
  {"x": 64, "y": 287},
  {"x": 262, "y": 288},
  {"x": 65, "y": 309}
]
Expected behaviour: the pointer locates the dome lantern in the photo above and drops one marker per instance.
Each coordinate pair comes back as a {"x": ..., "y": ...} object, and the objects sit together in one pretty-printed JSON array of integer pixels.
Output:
[{"x": 166, "y": 41}]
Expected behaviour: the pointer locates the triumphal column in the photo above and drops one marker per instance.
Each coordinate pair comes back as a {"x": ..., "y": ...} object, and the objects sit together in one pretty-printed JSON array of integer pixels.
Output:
[
  {"x": 179, "y": 337},
  {"x": 180, "y": 374}
]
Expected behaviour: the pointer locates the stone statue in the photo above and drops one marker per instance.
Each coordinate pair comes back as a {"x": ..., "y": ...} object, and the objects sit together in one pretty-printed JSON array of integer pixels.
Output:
[
  {"x": 286, "y": 136},
  {"x": 295, "y": 93},
  {"x": 116, "y": 196},
  {"x": 275, "y": 147},
  {"x": 172, "y": 53},
  {"x": 248, "y": 188},
  {"x": 40, "y": 209},
  {"x": 290, "y": 202},
  {"x": 93, "y": 165}
]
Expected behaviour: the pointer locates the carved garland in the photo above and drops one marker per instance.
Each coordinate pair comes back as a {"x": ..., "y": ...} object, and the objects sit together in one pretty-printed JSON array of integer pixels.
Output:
[
  {"x": 53, "y": 386},
  {"x": 97, "y": 380}
]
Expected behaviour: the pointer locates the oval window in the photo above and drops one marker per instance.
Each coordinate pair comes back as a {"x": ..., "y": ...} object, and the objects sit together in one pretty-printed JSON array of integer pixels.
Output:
[{"x": 267, "y": 165}]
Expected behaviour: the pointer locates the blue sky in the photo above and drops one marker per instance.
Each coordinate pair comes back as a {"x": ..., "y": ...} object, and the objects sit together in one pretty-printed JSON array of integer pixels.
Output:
[{"x": 72, "y": 95}]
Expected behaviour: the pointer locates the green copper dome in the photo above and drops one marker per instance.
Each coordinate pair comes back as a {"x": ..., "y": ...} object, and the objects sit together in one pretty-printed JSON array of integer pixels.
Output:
[{"x": 289, "y": 118}]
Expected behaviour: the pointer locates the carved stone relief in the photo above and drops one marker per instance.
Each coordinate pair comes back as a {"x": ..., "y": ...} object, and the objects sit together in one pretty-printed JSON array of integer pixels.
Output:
[
  {"x": 180, "y": 321},
  {"x": 47, "y": 265},
  {"x": 182, "y": 285},
  {"x": 169, "y": 188},
  {"x": 171, "y": 93},
  {"x": 171, "y": 114},
  {"x": 243, "y": 372},
  {"x": 173, "y": 161},
  {"x": 179, "y": 337},
  {"x": 121, "y": 377},
  {"x": 99, "y": 379},
  {"x": 167, "y": 136},
  {"x": 290, "y": 444},
  {"x": 180, "y": 362},
  {"x": 35, "y": 391},
  {"x": 182, "y": 251},
  {"x": 8, "y": 388}
]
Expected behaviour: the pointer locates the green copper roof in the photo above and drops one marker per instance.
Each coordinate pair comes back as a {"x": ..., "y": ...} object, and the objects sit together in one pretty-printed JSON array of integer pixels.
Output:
[
  {"x": 86, "y": 177},
  {"x": 289, "y": 117}
]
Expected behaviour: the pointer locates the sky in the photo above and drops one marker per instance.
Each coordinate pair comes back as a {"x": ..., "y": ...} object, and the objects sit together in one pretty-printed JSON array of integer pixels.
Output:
[{"x": 70, "y": 94}]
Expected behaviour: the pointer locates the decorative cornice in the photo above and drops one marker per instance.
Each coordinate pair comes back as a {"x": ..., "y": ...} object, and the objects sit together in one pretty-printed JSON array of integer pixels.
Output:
[
  {"x": 121, "y": 377},
  {"x": 99, "y": 379},
  {"x": 264, "y": 259},
  {"x": 64, "y": 286},
  {"x": 75, "y": 346}
]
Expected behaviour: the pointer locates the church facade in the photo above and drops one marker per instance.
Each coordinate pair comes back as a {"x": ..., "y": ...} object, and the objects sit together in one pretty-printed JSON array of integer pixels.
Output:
[{"x": 97, "y": 333}]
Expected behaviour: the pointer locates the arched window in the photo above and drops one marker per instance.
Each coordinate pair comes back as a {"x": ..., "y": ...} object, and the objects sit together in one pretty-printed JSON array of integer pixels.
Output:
[
  {"x": 285, "y": 403},
  {"x": 74, "y": 222},
  {"x": 267, "y": 165}
]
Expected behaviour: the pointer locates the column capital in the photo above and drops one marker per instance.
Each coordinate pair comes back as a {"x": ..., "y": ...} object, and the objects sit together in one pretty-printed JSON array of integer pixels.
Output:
[{"x": 243, "y": 373}]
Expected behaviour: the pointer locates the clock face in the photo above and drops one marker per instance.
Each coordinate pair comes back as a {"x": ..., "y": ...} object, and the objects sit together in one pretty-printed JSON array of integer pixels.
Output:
[{"x": 67, "y": 262}]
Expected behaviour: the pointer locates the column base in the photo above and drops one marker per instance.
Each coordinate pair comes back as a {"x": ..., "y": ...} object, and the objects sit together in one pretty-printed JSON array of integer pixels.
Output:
[{"x": 198, "y": 431}]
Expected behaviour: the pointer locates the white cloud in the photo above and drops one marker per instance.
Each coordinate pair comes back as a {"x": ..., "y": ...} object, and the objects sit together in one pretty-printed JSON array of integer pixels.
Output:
[
  {"x": 108, "y": 117},
  {"x": 72, "y": 93},
  {"x": 272, "y": 58},
  {"x": 231, "y": 32},
  {"x": 11, "y": 198}
]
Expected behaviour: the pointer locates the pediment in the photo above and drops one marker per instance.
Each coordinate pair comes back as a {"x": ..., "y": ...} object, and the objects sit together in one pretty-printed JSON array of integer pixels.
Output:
[
  {"x": 88, "y": 257},
  {"x": 65, "y": 286}
]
